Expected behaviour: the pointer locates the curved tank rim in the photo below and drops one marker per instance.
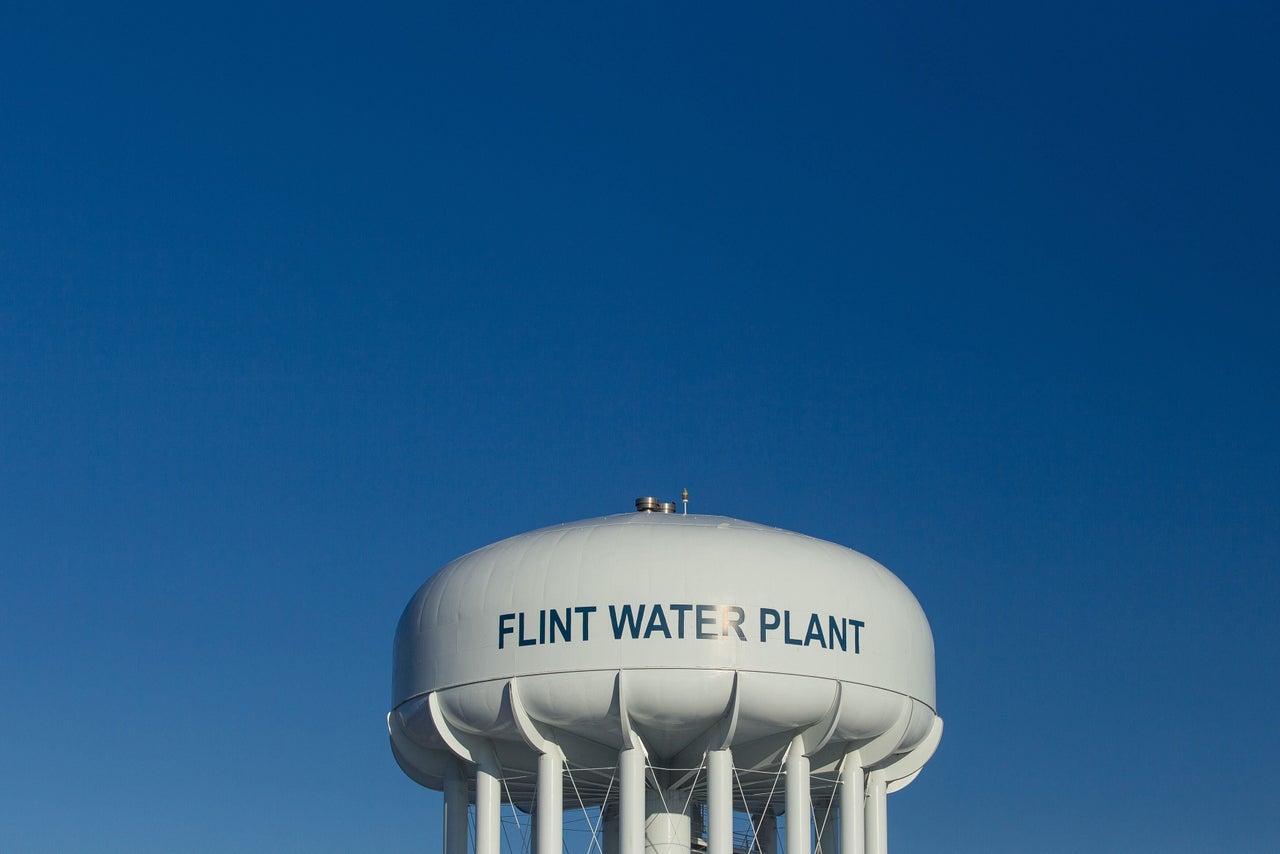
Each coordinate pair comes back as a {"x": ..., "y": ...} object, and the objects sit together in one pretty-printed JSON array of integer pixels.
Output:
[{"x": 572, "y": 671}]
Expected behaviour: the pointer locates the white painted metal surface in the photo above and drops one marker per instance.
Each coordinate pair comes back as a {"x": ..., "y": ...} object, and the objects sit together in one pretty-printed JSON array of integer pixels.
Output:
[
  {"x": 455, "y": 811},
  {"x": 852, "y": 794},
  {"x": 656, "y": 655},
  {"x": 876, "y": 817},
  {"x": 631, "y": 801},
  {"x": 550, "y": 812},
  {"x": 799, "y": 836},
  {"x": 720, "y": 802}
]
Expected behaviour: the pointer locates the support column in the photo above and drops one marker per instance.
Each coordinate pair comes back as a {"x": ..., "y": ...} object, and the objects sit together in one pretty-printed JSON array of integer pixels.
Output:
[
  {"x": 852, "y": 790},
  {"x": 550, "y": 817},
  {"x": 668, "y": 826},
  {"x": 631, "y": 801},
  {"x": 488, "y": 806},
  {"x": 876, "y": 818},
  {"x": 456, "y": 803},
  {"x": 799, "y": 835},
  {"x": 720, "y": 802}
]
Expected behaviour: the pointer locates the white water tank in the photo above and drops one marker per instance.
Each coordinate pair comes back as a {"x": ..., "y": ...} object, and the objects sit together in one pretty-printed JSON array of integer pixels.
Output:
[{"x": 678, "y": 671}]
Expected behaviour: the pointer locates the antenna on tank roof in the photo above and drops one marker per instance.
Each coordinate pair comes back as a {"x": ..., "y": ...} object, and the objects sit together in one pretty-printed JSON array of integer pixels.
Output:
[{"x": 684, "y": 496}]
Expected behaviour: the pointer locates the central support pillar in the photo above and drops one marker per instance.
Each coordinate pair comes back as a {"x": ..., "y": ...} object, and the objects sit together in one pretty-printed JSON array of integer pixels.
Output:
[
  {"x": 668, "y": 828},
  {"x": 799, "y": 836}
]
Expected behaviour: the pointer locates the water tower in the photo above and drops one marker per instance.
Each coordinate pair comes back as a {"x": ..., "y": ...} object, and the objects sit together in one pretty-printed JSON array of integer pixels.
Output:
[{"x": 688, "y": 682}]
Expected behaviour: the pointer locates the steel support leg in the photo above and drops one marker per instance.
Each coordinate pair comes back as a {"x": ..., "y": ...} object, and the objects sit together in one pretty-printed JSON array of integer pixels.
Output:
[
  {"x": 550, "y": 818},
  {"x": 876, "y": 817},
  {"x": 799, "y": 835},
  {"x": 852, "y": 792},
  {"x": 488, "y": 806},
  {"x": 456, "y": 807},
  {"x": 631, "y": 766},
  {"x": 720, "y": 802}
]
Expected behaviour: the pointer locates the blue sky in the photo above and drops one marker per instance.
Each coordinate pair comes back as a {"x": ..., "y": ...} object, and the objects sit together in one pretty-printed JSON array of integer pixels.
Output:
[{"x": 299, "y": 302}]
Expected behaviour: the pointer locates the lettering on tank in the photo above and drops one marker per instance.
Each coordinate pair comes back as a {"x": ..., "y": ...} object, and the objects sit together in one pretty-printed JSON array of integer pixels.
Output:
[{"x": 680, "y": 621}]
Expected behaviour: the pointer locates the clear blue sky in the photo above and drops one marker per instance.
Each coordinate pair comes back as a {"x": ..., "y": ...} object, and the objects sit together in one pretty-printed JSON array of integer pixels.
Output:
[{"x": 298, "y": 303}]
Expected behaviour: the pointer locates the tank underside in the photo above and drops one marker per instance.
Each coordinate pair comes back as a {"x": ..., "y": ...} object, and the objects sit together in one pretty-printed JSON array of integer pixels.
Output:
[{"x": 676, "y": 741}]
